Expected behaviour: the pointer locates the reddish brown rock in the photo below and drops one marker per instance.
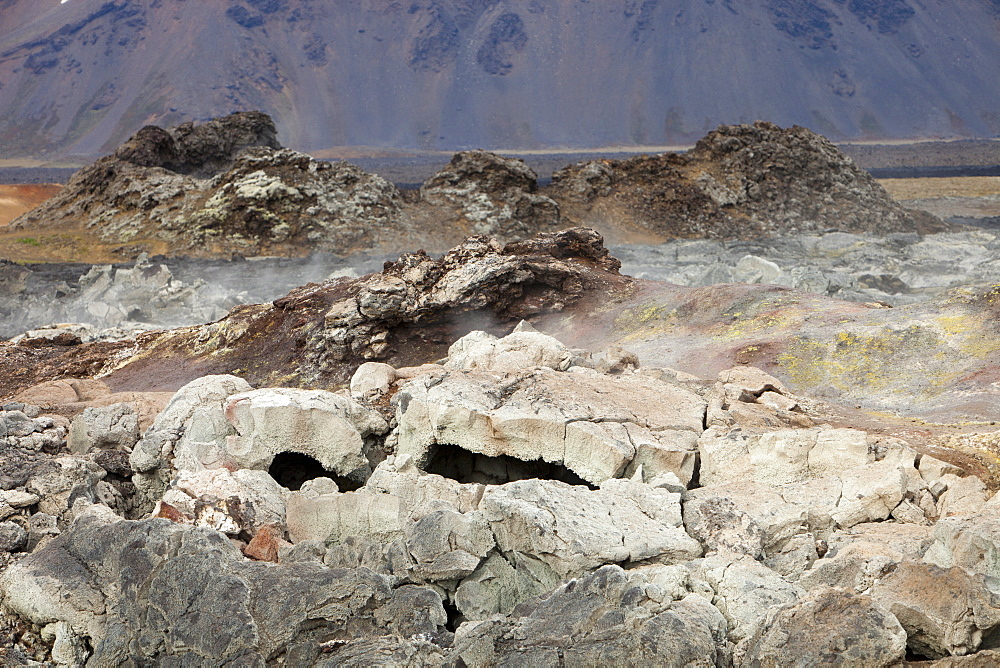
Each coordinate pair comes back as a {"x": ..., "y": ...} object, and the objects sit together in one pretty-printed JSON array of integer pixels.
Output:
[{"x": 265, "y": 544}]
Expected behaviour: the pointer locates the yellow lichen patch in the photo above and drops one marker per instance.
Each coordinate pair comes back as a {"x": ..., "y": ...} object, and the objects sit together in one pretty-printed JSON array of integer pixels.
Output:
[
  {"x": 952, "y": 324},
  {"x": 742, "y": 327},
  {"x": 862, "y": 362},
  {"x": 646, "y": 319}
]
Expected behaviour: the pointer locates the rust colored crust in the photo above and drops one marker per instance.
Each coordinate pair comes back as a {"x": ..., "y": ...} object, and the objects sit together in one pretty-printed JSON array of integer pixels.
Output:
[{"x": 282, "y": 344}]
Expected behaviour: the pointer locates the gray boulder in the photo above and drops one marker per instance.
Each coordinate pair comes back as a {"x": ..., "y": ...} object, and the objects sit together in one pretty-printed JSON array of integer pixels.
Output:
[
  {"x": 600, "y": 619},
  {"x": 944, "y": 611},
  {"x": 188, "y": 433},
  {"x": 114, "y": 426},
  {"x": 827, "y": 627},
  {"x": 574, "y": 529},
  {"x": 156, "y": 592},
  {"x": 13, "y": 537}
]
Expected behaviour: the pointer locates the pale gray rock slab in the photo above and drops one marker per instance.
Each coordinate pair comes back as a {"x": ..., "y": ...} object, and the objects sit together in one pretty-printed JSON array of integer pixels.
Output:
[
  {"x": 334, "y": 430},
  {"x": 588, "y": 422},
  {"x": 114, "y": 426},
  {"x": 783, "y": 456},
  {"x": 962, "y": 495},
  {"x": 826, "y": 627},
  {"x": 758, "y": 519},
  {"x": 745, "y": 590},
  {"x": 154, "y": 591},
  {"x": 575, "y": 529},
  {"x": 969, "y": 541},
  {"x": 599, "y": 619}
]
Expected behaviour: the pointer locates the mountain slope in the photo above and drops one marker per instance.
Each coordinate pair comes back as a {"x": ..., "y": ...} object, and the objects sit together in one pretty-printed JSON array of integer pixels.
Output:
[{"x": 79, "y": 77}]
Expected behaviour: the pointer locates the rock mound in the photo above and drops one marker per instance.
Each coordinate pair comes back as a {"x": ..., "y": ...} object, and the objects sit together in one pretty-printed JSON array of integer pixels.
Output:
[
  {"x": 220, "y": 188},
  {"x": 740, "y": 181},
  {"x": 227, "y": 187},
  {"x": 484, "y": 193},
  {"x": 200, "y": 150}
]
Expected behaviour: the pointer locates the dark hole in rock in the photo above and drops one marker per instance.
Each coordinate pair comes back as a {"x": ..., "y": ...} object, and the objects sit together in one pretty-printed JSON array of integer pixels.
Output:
[
  {"x": 455, "y": 618},
  {"x": 991, "y": 640},
  {"x": 292, "y": 469},
  {"x": 911, "y": 655},
  {"x": 451, "y": 461}
]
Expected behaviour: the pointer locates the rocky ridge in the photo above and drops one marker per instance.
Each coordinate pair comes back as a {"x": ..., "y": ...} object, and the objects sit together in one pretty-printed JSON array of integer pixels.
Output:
[
  {"x": 226, "y": 187},
  {"x": 742, "y": 182},
  {"x": 519, "y": 501}
]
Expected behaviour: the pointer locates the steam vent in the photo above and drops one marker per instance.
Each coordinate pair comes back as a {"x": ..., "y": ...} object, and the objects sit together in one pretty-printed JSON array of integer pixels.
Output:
[{"x": 735, "y": 406}]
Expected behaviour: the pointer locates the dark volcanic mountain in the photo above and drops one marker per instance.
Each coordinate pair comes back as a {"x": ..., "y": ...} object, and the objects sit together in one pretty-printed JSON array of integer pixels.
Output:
[{"x": 80, "y": 76}]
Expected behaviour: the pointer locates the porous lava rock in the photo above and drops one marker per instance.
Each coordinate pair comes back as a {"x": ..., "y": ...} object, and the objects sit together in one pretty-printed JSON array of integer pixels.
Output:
[
  {"x": 739, "y": 181},
  {"x": 221, "y": 187},
  {"x": 485, "y": 193}
]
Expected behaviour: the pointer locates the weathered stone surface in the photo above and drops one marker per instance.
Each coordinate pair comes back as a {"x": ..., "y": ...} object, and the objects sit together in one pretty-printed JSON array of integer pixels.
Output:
[
  {"x": 372, "y": 380},
  {"x": 944, "y": 611},
  {"x": 13, "y": 537},
  {"x": 739, "y": 181},
  {"x": 490, "y": 194},
  {"x": 143, "y": 591},
  {"x": 72, "y": 480},
  {"x": 523, "y": 348},
  {"x": 828, "y": 626},
  {"x": 413, "y": 652},
  {"x": 969, "y": 541},
  {"x": 758, "y": 520},
  {"x": 783, "y": 456},
  {"x": 230, "y": 502},
  {"x": 224, "y": 186},
  {"x": 573, "y": 529},
  {"x": 593, "y": 424},
  {"x": 500, "y": 583},
  {"x": 602, "y": 618},
  {"x": 189, "y": 434},
  {"x": 334, "y": 430},
  {"x": 744, "y": 590},
  {"x": 114, "y": 426}
]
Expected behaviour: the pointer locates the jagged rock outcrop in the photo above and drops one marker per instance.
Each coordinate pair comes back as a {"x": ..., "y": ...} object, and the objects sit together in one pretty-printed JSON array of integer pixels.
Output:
[
  {"x": 740, "y": 181},
  {"x": 490, "y": 194},
  {"x": 783, "y": 538},
  {"x": 222, "y": 187},
  {"x": 227, "y": 187},
  {"x": 151, "y": 590}
]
